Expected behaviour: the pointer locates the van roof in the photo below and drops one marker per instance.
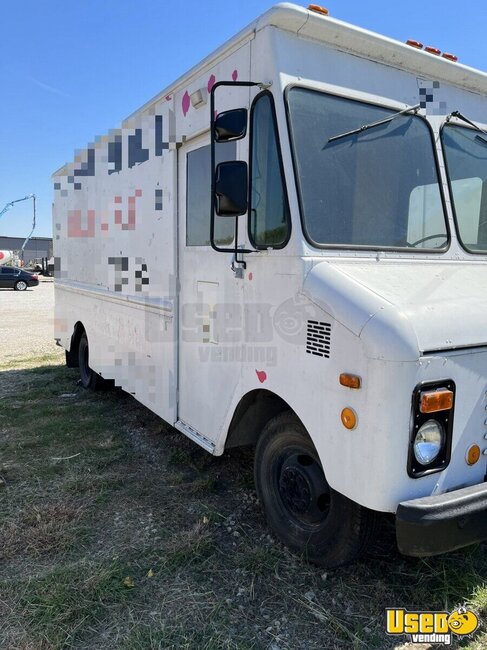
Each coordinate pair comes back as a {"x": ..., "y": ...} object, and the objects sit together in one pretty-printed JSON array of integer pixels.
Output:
[
  {"x": 347, "y": 38},
  {"x": 341, "y": 36}
]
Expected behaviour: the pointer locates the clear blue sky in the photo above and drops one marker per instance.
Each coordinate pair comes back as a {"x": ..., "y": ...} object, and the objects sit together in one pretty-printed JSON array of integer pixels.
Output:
[{"x": 72, "y": 69}]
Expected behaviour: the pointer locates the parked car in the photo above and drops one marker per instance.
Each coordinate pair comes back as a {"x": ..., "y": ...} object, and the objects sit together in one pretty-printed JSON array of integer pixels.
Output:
[{"x": 18, "y": 279}]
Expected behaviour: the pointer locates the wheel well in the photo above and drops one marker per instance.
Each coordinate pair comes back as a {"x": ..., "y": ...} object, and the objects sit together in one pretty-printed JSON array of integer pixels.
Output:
[
  {"x": 72, "y": 354},
  {"x": 253, "y": 412}
]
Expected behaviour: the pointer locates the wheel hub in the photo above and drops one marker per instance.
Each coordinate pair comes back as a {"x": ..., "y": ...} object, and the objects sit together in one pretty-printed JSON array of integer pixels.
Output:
[
  {"x": 303, "y": 488},
  {"x": 295, "y": 490}
]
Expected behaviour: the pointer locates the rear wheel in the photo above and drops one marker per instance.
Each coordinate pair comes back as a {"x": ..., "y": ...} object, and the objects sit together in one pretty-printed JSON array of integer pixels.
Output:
[
  {"x": 88, "y": 377},
  {"x": 20, "y": 285},
  {"x": 301, "y": 508}
]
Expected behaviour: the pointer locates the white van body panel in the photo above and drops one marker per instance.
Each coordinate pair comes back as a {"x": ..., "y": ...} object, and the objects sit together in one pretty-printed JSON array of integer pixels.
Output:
[
  {"x": 417, "y": 293},
  {"x": 176, "y": 328}
]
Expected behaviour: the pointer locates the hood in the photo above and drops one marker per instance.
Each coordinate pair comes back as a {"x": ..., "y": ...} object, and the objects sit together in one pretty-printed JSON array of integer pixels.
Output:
[{"x": 403, "y": 309}]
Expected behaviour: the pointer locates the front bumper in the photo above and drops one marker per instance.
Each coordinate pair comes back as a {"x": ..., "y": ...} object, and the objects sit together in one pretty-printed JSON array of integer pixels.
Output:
[{"x": 442, "y": 523}]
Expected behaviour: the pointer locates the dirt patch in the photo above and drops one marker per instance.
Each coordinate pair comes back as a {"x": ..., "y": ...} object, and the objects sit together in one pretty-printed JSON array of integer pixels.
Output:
[{"x": 41, "y": 529}]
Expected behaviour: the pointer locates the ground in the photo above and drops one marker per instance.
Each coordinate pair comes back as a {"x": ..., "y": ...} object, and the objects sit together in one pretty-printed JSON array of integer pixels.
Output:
[
  {"x": 119, "y": 533},
  {"x": 26, "y": 324}
]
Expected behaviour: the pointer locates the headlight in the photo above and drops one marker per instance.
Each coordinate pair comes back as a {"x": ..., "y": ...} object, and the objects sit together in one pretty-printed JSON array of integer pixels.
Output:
[
  {"x": 429, "y": 442},
  {"x": 430, "y": 438}
]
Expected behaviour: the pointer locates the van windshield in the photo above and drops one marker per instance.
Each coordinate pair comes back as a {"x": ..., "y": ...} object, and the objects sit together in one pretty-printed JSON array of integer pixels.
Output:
[
  {"x": 466, "y": 158},
  {"x": 374, "y": 189}
]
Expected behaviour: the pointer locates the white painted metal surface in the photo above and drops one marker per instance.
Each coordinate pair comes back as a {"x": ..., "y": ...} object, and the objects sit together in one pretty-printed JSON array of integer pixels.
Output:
[{"x": 396, "y": 318}]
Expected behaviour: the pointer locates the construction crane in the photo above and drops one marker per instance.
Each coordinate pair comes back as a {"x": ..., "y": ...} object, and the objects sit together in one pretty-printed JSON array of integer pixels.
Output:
[{"x": 12, "y": 203}]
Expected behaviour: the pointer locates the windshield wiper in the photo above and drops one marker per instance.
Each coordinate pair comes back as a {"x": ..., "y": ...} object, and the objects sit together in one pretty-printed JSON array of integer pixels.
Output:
[
  {"x": 459, "y": 116},
  {"x": 367, "y": 127}
]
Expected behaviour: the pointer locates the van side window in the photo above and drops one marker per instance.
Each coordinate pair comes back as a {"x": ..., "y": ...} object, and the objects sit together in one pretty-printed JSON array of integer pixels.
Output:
[
  {"x": 198, "y": 196},
  {"x": 269, "y": 210}
]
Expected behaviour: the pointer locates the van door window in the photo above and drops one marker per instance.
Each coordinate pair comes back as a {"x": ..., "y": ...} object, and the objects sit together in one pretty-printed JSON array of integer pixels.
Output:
[
  {"x": 198, "y": 197},
  {"x": 269, "y": 210}
]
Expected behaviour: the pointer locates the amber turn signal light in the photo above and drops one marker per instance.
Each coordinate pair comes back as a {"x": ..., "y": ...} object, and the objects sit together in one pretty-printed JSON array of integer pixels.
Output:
[
  {"x": 433, "y": 401},
  {"x": 349, "y": 418},
  {"x": 350, "y": 381},
  {"x": 319, "y": 10},
  {"x": 473, "y": 455}
]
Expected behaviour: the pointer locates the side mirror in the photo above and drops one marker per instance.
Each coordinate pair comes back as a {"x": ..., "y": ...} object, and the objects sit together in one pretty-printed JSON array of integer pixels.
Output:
[
  {"x": 230, "y": 125},
  {"x": 231, "y": 188}
]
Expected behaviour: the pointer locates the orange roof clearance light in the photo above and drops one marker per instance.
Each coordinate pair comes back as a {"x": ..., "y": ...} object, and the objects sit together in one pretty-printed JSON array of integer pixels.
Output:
[
  {"x": 416, "y": 44},
  {"x": 432, "y": 50},
  {"x": 433, "y": 401},
  {"x": 319, "y": 10},
  {"x": 350, "y": 381},
  {"x": 349, "y": 418},
  {"x": 449, "y": 57},
  {"x": 473, "y": 455}
]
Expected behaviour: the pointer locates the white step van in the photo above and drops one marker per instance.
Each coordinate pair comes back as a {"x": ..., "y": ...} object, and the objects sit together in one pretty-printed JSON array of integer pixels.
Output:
[{"x": 288, "y": 248}]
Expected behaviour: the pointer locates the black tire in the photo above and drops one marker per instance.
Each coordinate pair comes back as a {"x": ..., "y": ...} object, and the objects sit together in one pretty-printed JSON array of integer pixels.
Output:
[
  {"x": 71, "y": 357},
  {"x": 308, "y": 516},
  {"x": 20, "y": 285},
  {"x": 88, "y": 377}
]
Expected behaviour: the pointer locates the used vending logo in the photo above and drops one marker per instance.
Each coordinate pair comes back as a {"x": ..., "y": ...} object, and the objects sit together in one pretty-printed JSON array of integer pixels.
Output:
[{"x": 431, "y": 627}]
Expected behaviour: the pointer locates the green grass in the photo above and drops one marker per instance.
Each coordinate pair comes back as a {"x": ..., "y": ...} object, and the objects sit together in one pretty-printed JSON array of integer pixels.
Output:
[
  {"x": 95, "y": 489},
  {"x": 59, "y": 605},
  {"x": 54, "y": 357},
  {"x": 211, "y": 636}
]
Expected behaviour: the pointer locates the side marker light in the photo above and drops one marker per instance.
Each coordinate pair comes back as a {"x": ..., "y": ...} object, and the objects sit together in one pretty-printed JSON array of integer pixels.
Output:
[
  {"x": 349, "y": 418},
  {"x": 473, "y": 455},
  {"x": 350, "y": 381}
]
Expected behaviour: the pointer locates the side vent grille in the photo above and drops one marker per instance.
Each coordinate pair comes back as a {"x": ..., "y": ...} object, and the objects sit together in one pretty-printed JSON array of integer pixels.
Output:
[{"x": 318, "y": 339}]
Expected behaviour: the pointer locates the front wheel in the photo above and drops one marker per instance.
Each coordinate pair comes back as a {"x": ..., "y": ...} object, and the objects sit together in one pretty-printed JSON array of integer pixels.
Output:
[
  {"x": 20, "y": 285},
  {"x": 301, "y": 508}
]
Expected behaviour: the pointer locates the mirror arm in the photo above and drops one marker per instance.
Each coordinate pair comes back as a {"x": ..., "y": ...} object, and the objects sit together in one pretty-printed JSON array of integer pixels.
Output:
[{"x": 235, "y": 250}]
